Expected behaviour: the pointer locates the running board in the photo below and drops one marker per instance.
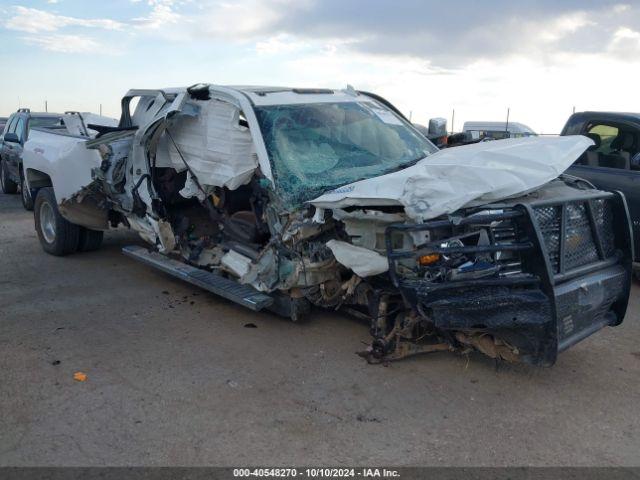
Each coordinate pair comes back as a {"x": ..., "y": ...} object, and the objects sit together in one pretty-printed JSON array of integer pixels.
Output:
[{"x": 244, "y": 295}]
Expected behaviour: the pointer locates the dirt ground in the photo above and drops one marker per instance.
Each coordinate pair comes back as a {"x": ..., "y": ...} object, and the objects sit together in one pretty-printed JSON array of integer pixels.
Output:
[{"x": 177, "y": 376}]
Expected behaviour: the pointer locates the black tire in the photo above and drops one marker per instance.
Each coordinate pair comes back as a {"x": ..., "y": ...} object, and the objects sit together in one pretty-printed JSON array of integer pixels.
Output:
[
  {"x": 90, "y": 240},
  {"x": 8, "y": 185},
  {"x": 57, "y": 236},
  {"x": 25, "y": 194}
]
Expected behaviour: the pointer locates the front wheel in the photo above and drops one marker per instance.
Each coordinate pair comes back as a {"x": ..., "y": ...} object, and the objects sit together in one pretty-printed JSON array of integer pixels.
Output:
[
  {"x": 8, "y": 185},
  {"x": 57, "y": 235},
  {"x": 90, "y": 240},
  {"x": 27, "y": 201}
]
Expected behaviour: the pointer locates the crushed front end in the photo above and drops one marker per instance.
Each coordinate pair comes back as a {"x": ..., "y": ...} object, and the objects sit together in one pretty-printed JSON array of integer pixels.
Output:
[{"x": 522, "y": 280}]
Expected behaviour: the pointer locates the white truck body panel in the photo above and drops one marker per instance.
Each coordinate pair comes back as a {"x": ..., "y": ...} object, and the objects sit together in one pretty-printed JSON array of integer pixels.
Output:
[{"x": 63, "y": 157}]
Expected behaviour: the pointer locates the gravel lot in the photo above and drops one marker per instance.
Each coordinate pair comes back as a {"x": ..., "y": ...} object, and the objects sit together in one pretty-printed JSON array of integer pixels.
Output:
[{"x": 176, "y": 377}]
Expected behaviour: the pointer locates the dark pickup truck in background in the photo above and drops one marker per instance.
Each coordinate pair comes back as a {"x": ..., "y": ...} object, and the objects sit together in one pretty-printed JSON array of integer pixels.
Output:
[
  {"x": 613, "y": 162},
  {"x": 15, "y": 133}
]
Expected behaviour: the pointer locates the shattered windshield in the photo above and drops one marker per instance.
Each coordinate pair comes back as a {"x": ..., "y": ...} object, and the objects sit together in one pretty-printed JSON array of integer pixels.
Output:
[{"x": 317, "y": 147}]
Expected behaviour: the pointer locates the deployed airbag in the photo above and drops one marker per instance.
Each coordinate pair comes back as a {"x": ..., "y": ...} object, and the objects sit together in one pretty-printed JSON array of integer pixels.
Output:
[
  {"x": 217, "y": 148},
  {"x": 362, "y": 261}
]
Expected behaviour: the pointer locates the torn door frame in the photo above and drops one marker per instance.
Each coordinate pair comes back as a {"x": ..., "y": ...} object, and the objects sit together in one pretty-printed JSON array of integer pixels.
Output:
[{"x": 175, "y": 103}]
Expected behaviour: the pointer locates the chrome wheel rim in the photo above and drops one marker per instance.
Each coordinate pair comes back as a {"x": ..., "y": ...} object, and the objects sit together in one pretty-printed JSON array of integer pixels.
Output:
[{"x": 47, "y": 222}]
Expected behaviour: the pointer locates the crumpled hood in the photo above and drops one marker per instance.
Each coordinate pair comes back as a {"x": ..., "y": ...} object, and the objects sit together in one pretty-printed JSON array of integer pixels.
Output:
[{"x": 464, "y": 176}]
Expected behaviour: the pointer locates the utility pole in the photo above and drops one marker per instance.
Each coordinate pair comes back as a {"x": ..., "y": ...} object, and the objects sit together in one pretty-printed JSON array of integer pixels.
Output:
[
  {"x": 506, "y": 125},
  {"x": 574, "y": 109},
  {"x": 453, "y": 118},
  {"x": 100, "y": 109},
  {"x": 46, "y": 107}
]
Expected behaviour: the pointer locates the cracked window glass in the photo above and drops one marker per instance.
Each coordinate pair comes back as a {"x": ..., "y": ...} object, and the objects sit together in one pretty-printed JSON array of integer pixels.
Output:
[{"x": 314, "y": 148}]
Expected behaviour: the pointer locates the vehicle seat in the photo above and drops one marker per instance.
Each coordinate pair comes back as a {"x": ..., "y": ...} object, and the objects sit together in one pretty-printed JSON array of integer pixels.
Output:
[
  {"x": 592, "y": 157},
  {"x": 622, "y": 146}
]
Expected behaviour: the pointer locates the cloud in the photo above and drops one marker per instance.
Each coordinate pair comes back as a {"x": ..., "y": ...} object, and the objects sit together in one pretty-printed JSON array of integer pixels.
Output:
[
  {"x": 625, "y": 43},
  {"x": 32, "y": 20},
  {"x": 436, "y": 31},
  {"x": 280, "y": 44},
  {"x": 442, "y": 35},
  {"x": 65, "y": 43},
  {"x": 60, "y": 39},
  {"x": 240, "y": 20},
  {"x": 162, "y": 14}
]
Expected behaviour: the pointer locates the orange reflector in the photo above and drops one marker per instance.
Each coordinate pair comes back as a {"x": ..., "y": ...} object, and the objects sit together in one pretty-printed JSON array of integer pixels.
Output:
[{"x": 429, "y": 259}]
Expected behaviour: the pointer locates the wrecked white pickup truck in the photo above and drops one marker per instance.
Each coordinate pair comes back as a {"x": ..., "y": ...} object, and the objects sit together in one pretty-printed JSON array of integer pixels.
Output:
[{"x": 283, "y": 199}]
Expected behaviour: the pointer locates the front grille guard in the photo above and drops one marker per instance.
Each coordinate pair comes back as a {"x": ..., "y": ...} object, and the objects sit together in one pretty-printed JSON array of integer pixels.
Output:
[
  {"x": 532, "y": 239},
  {"x": 604, "y": 215},
  {"x": 543, "y": 313},
  {"x": 396, "y": 255}
]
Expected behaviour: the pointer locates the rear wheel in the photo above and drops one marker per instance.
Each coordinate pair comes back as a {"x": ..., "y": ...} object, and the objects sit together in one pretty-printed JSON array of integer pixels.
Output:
[
  {"x": 27, "y": 201},
  {"x": 8, "y": 185},
  {"x": 57, "y": 235},
  {"x": 90, "y": 240}
]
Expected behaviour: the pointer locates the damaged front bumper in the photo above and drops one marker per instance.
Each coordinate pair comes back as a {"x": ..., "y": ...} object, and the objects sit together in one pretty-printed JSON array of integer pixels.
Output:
[{"x": 552, "y": 273}]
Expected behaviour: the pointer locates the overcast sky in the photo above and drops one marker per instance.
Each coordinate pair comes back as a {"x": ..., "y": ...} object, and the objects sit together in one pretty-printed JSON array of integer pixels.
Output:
[{"x": 540, "y": 58}]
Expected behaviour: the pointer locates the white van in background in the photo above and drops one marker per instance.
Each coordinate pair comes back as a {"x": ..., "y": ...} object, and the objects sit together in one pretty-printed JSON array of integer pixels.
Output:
[{"x": 497, "y": 130}]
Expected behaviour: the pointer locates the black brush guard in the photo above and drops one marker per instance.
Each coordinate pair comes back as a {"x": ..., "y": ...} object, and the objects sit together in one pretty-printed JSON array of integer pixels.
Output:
[{"x": 575, "y": 258}]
